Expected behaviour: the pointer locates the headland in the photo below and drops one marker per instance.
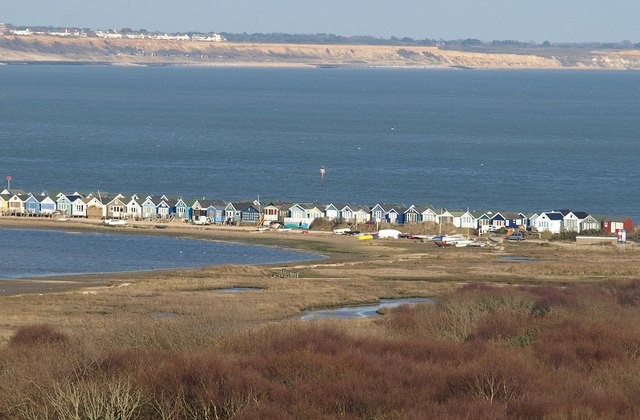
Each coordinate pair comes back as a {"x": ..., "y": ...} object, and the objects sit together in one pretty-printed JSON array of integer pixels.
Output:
[{"x": 45, "y": 49}]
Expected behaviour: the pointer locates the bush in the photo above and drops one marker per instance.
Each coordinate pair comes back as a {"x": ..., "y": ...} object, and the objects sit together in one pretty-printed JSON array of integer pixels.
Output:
[
  {"x": 483, "y": 352},
  {"x": 564, "y": 236},
  {"x": 546, "y": 235},
  {"x": 327, "y": 225},
  {"x": 37, "y": 335},
  {"x": 594, "y": 232}
]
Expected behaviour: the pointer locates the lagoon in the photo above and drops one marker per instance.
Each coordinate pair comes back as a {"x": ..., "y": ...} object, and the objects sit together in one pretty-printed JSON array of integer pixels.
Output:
[{"x": 39, "y": 253}]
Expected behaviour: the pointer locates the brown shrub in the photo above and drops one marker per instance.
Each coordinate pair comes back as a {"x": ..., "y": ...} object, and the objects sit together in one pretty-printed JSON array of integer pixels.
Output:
[
  {"x": 484, "y": 352},
  {"x": 458, "y": 316},
  {"x": 627, "y": 293},
  {"x": 38, "y": 335},
  {"x": 499, "y": 326},
  {"x": 577, "y": 344},
  {"x": 197, "y": 384},
  {"x": 495, "y": 376}
]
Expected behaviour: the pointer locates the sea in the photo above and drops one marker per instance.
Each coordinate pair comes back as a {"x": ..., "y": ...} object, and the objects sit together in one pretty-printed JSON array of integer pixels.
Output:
[{"x": 509, "y": 140}]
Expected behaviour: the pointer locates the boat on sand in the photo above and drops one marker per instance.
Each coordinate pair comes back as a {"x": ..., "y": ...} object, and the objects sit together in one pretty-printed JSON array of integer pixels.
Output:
[{"x": 114, "y": 222}]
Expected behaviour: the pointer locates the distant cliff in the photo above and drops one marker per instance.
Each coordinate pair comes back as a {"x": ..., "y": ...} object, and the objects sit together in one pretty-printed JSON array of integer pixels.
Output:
[{"x": 49, "y": 49}]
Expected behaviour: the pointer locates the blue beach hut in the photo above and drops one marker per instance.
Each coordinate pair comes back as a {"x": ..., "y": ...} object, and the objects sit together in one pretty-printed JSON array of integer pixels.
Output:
[{"x": 32, "y": 206}]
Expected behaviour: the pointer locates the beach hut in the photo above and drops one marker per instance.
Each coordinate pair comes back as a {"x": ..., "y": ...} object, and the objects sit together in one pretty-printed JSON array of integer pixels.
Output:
[
  {"x": 314, "y": 211},
  {"x": 32, "y": 206},
  {"x": 411, "y": 215},
  {"x": 166, "y": 208},
  {"x": 549, "y": 221},
  {"x": 230, "y": 213},
  {"x": 345, "y": 213},
  {"x": 377, "y": 213},
  {"x": 134, "y": 206},
  {"x": 198, "y": 209},
  {"x": 47, "y": 204},
  {"x": 148, "y": 208},
  {"x": 394, "y": 214},
  {"x": 457, "y": 215},
  {"x": 331, "y": 212},
  {"x": 271, "y": 212},
  {"x": 182, "y": 209},
  {"x": 361, "y": 214},
  {"x": 116, "y": 208},
  {"x": 78, "y": 207},
  {"x": 248, "y": 212},
  {"x": 63, "y": 205},
  {"x": 285, "y": 211},
  {"x": 216, "y": 211},
  {"x": 95, "y": 208},
  {"x": 189, "y": 203},
  {"x": 514, "y": 220},
  {"x": 570, "y": 222},
  {"x": 483, "y": 220},
  {"x": 427, "y": 214},
  {"x": 4, "y": 203},
  {"x": 445, "y": 217},
  {"x": 531, "y": 219},
  {"x": 611, "y": 224},
  {"x": 16, "y": 204},
  {"x": 587, "y": 222},
  {"x": 464, "y": 219},
  {"x": 297, "y": 213},
  {"x": 498, "y": 221}
]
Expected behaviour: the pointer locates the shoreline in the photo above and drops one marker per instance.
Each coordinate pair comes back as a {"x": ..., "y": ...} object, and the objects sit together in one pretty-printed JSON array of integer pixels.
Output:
[
  {"x": 386, "y": 260},
  {"x": 267, "y": 65}
]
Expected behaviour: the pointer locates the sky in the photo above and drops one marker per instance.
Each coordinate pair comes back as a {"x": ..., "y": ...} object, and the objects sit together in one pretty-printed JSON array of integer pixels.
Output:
[{"x": 487, "y": 20}]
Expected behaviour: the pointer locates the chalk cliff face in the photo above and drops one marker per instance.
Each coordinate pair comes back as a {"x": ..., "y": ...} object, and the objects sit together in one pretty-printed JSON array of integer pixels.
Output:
[{"x": 15, "y": 49}]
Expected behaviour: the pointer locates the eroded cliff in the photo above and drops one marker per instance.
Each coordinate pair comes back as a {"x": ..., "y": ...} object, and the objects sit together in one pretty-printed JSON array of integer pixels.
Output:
[{"x": 46, "y": 49}]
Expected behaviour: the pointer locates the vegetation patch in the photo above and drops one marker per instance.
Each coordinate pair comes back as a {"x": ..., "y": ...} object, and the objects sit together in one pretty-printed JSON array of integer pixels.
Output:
[{"x": 482, "y": 352}]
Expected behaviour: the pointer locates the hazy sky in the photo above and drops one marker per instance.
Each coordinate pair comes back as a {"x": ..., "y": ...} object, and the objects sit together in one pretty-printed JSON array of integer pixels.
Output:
[{"x": 523, "y": 20}]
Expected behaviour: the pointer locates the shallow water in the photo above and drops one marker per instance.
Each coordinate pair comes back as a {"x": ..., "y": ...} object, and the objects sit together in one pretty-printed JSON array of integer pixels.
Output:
[
  {"x": 367, "y": 311},
  {"x": 238, "y": 289},
  {"x": 519, "y": 258},
  {"x": 37, "y": 253}
]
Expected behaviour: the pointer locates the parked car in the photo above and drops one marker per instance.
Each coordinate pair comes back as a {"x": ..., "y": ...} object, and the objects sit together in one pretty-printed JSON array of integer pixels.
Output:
[{"x": 516, "y": 236}]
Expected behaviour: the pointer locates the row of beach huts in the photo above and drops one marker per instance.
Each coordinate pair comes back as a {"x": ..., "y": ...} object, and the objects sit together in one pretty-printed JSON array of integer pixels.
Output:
[{"x": 17, "y": 202}]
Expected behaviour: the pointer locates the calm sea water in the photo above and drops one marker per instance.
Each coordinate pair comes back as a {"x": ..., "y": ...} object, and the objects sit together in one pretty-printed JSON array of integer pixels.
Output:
[
  {"x": 499, "y": 140},
  {"x": 49, "y": 253}
]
